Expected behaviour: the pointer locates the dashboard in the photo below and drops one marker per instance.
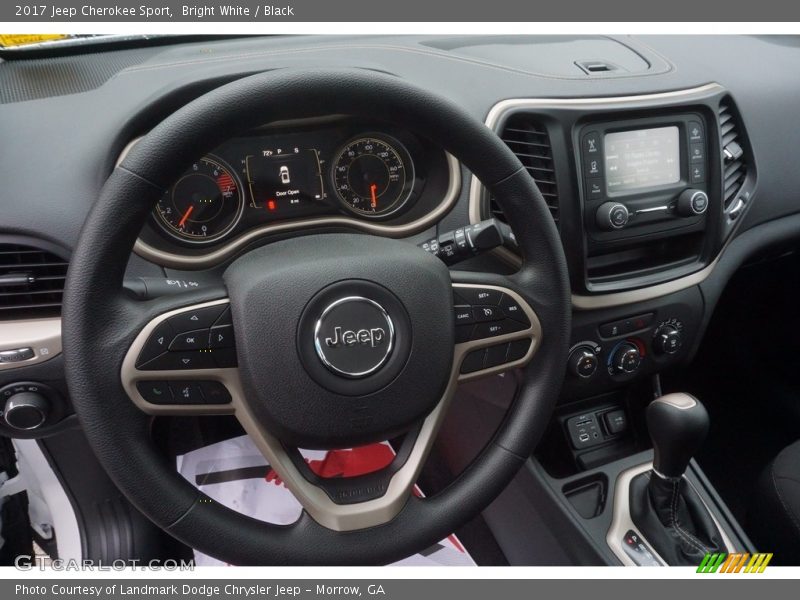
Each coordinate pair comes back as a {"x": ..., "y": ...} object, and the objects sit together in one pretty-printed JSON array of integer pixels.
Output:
[{"x": 663, "y": 173}]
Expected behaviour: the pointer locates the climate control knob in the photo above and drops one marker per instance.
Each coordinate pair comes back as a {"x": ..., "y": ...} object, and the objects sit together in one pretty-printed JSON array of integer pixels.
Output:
[
  {"x": 626, "y": 358},
  {"x": 692, "y": 203},
  {"x": 667, "y": 340},
  {"x": 612, "y": 215},
  {"x": 26, "y": 410},
  {"x": 582, "y": 362}
]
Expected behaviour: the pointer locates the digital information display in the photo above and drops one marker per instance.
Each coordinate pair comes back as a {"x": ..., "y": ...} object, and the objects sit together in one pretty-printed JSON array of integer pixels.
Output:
[
  {"x": 643, "y": 158},
  {"x": 285, "y": 182}
]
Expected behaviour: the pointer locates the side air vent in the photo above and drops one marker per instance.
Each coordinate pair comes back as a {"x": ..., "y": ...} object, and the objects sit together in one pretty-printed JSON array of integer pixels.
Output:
[
  {"x": 733, "y": 153},
  {"x": 528, "y": 139},
  {"x": 31, "y": 282}
]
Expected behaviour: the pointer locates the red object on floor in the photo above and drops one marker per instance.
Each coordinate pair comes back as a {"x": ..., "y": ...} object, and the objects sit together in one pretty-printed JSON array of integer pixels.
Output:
[{"x": 346, "y": 463}]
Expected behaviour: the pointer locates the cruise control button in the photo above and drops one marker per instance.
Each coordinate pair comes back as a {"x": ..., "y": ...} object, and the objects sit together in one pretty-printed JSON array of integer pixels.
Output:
[
  {"x": 155, "y": 392},
  {"x": 513, "y": 310},
  {"x": 215, "y": 392},
  {"x": 486, "y": 313},
  {"x": 191, "y": 340},
  {"x": 156, "y": 344},
  {"x": 199, "y": 318},
  {"x": 473, "y": 361},
  {"x": 463, "y": 315},
  {"x": 475, "y": 296},
  {"x": 180, "y": 361},
  {"x": 186, "y": 392},
  {"x": 221, "y": 337},
  {"x": 495, "y": 355},
  {"x": 493, "y": 329}
]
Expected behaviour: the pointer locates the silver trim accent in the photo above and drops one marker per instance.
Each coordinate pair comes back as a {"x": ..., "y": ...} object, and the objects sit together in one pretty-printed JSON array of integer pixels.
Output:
[
  {"x": 622, "y": 522},
  {"x": 339, "y": 517},
  {"x": 651, "y": 209},
  {"x": 580, "y": 302},
  {"x": 209, "y": 259},
  {"x": 37, "y": 403},
  {"x": 321, "y": 352},
  {"x": 677, "y": 400},
  {"x": 43, "y": 336}
]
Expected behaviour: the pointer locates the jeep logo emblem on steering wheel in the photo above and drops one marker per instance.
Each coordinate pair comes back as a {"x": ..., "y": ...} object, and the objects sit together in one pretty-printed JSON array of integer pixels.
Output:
[
  {"x": 354, "y": 336},
  {"x": 373, "y": 337}
]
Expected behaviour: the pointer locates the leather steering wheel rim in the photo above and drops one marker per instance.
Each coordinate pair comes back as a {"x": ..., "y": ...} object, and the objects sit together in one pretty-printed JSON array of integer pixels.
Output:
[{"x": 98, "y": 316}]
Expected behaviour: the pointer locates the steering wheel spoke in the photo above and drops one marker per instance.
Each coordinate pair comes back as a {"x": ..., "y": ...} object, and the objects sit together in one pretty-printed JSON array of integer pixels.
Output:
[
  {"x": 184, "y": 362},
  {"x": 496, "y": 329}
]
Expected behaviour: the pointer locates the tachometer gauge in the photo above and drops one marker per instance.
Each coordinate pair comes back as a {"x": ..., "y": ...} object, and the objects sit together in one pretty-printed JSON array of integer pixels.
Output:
[
  {"x": 204, "y": 205},
  {"x": 373, "y": 177}
]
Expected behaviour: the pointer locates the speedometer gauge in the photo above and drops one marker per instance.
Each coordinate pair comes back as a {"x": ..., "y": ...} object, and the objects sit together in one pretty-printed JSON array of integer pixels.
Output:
[
  {"x": 373, "y": 176},
  {"x": 204, "y": 205}
]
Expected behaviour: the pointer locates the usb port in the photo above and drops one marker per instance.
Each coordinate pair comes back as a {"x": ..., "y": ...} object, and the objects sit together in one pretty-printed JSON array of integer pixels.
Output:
[{"x": 584, "y": 437}]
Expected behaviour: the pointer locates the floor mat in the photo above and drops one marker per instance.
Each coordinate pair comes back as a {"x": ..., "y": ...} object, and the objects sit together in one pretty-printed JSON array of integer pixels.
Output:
[{"x": 235, "y": 474}]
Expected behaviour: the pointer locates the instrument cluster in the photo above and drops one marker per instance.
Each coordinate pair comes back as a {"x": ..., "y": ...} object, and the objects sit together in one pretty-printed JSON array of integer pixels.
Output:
[{"x": 359, "y": 171}]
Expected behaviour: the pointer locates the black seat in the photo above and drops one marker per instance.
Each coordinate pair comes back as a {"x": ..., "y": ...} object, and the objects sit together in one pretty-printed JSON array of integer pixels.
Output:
[{"x": 774, "y": 521}]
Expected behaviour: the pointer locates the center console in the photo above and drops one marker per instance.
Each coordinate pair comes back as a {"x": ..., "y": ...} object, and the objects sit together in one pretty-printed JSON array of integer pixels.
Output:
[{"x": 646, "y": 191}]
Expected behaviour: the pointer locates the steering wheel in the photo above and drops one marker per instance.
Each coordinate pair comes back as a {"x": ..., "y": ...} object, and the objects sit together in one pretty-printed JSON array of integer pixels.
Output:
[{"x": 340, "y": 339}]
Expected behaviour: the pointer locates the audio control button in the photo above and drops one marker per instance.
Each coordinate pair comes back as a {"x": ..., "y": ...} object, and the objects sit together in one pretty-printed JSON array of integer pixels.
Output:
[
  {"x": 696, "y": 132},
  {"x": 612, "y": 215},
  {"x": 697, "y": 173},
  {"x": 692, "y": 203}
]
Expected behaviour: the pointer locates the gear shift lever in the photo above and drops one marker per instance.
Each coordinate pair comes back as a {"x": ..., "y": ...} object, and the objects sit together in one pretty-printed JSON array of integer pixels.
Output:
[
  {"x": 664, "y": 506},
  {"x": 678, "y": 425}
]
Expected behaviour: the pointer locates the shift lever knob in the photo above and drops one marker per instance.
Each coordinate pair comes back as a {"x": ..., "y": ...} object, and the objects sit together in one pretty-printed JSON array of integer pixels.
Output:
[{"x": 678, "y": 425}]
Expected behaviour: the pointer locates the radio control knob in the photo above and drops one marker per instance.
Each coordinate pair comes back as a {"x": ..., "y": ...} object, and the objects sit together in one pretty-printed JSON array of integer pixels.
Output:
[
  {"x": 582, "y": 362},
  {"x": 667, "y": 340},
  {"x": 612, "y": 215},
  {"x": 692, "y": 203},
  {"x": 626, "y": 358},
  {"x": 26, "y": 410}
]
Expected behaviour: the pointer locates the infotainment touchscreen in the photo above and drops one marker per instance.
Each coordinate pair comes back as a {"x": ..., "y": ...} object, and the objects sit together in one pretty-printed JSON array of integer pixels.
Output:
[{"x": 643, "y": 158}]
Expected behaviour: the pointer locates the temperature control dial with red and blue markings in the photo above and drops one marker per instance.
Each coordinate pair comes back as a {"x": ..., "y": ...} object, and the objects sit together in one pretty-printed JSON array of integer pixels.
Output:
[{"x": 204, "y": 205}]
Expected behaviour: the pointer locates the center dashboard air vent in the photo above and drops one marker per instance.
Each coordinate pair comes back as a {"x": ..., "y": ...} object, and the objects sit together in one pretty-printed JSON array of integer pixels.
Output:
[
  {"x": 734, "y": 156},
  {"x": 31, "y": 282},
  {"x": 528, "y": 139}
]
